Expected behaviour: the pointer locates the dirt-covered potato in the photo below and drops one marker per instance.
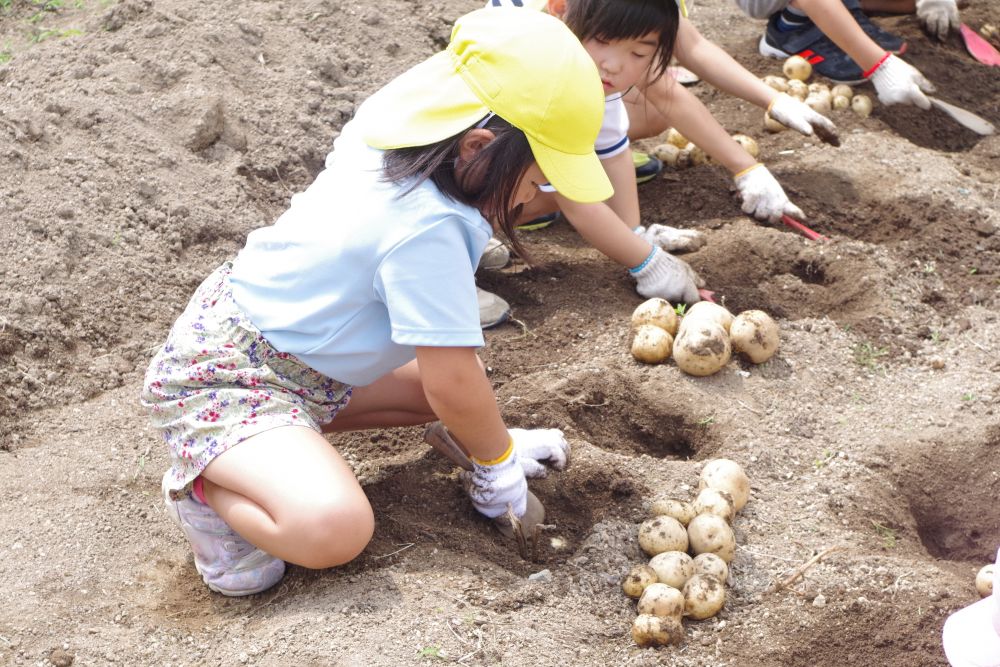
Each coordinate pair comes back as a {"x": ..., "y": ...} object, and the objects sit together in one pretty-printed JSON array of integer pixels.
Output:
[
  {"x": 772, "y": 125},
  {"x": 749, "y": 144},
  {"x": 704, "y": 596},
  {"x": 676, "y": 138},
  {"x": 862, "y": 105},
  {"x": 984, "y": 580},
  {"x": 797, "y": 68},
  {"x": 711, "y": 564},
  {"x": 671, "y": 155},
  {"x": 649, "y": 630},
  {"x": 697, "y": 156},
  {"x": 701, "y": 348},
  {"x": 672, "y": 568},
  {"x": 651, "y": 344},
  {"x": 726, "y": 475},
  {"x": 682, "y": 510},
  {"x": 713, "y": 312},
  {"x": 711, "y": 534},
  {"x": 661, "y": 600},
  {"x": 715, "y": 501},
  {"x": 753, "y": 333},
  {"x": 637, "y": 579},
  {"x": 841, "y": 102},
  {"x": 819, "y": 103},
  {"x": 657, "y": 312},
  {"x": 662, "y": 533},
  {"x": 779, "y": 83},
  {"x": 843, "y": 90},
  {"x": 798, "y": 89}
]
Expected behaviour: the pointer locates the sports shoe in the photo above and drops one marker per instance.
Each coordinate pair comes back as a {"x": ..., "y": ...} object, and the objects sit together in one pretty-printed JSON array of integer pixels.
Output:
[
  {"x": 541, "y": 222},
  {"x": 495, "y": 255},
  {"x": 646, "y": 166},
  {"x": 809, "y": 42},
  {"x": 492, "y": 309},
  {"x": 888, "y": 41},
  {"x": 228, "y": 563}
]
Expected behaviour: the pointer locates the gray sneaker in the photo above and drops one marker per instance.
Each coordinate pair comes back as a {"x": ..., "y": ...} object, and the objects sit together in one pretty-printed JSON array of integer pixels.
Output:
[
  {"x": 495, "y": 256},
  {"x": 228, "y": 563},
  {"x": 492, "y": 309}
]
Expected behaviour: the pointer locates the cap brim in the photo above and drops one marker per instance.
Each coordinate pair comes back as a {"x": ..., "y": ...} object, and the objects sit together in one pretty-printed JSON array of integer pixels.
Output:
[
  {"x": 970, "y": 638},
  {"x": 580, "y": 178},
  {"x": 426, "y": 104}
]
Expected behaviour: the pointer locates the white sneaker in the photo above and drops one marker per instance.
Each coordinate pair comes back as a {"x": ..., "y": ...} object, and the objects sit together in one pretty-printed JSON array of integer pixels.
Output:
[
  {"x": 228, "y": 563},
  {"x": 492, "y": 309},
  {"x": 495, "y": 256}
]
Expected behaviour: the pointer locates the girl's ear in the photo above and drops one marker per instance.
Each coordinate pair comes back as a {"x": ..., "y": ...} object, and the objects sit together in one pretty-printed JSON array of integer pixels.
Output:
[
  {"x": 472, "y": 142},
  {"x": 556, "y": 7}
]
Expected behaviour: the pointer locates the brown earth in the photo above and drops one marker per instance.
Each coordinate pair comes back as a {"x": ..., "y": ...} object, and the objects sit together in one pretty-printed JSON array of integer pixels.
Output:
[{"x": 142, "y": 141}]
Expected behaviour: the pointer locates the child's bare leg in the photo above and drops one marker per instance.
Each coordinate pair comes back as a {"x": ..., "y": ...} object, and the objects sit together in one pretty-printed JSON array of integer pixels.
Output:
[
  {"x": 395, "y": 399},
  {"x": 889, "y": 6},
  {"x": 644, "y": 119},
  {"x": 291, "y": 494}
]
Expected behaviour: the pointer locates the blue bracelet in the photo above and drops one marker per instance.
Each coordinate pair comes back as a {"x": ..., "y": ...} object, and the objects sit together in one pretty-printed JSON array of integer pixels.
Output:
[{"x": 645, "y": 262}]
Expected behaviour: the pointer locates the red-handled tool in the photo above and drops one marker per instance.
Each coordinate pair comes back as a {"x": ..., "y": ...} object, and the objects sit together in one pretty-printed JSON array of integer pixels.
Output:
[
  {"x": 802, "y": 229},
  {"x": 980, "y": 49}
]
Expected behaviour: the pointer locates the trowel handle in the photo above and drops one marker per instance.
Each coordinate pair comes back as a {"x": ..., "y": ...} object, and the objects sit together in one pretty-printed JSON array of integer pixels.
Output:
[{"x": 437, "y": 436}]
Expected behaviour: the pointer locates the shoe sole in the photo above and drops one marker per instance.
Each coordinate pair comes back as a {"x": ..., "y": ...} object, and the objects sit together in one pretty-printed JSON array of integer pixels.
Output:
[
  {"x": 644, "y": 179},
  {"x": 769, "y": 51},
  {"x": 530, "y": 227},
  {"x": 495, "y": 323}
]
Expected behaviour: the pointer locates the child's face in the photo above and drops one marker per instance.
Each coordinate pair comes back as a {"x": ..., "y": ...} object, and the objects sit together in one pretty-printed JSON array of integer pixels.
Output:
[
  {"x": 622, "y": 62},
  {"x": 528, "y": 187}
]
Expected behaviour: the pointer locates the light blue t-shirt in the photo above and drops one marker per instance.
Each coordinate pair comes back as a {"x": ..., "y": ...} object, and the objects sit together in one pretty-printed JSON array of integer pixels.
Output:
[{"x": 353, "y": 276}]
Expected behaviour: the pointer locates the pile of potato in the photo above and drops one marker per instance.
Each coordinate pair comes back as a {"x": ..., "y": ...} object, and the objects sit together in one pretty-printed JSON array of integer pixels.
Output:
[
  {"x": 691, "y": 544},
  {"x": 820, "y": 97},
  {"x": 704, "y": 339},
  {"x": 679, "y": 153}
]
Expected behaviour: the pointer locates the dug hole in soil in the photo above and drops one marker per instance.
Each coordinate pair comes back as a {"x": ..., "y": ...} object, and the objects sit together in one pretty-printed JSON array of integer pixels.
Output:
[{"x": 141, "y": 141}]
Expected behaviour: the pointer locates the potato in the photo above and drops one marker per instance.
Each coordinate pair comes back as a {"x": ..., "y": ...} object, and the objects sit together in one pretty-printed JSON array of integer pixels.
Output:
[
  {"x": 754, "y": 334},
  {"x": 651, "y": 344},
  {"x": 819, "y": 103},
  {"x": 649, "y": 630},
  {"x": 672, "y": 568},
  {"x": 726, "y": 475},
  {"x": 777, "y": 82},
  {"x": 711, "y": 564},
  {"x": 717, "y": 502},
  {"x": 637, "y": 579},
  {"x": 748, "y": 144},
  {"x": 797, "y": 89},
  {"x": 818, "y": 87},
  {"x": 710, "y": 534},
  {"x": 843, "y": 90},
  {"x": 697, "y": 156},
  {"x": 702, "y": 348},
  {"x": 711, "y": 311},
  {"x": 862, "y": 105},
  {"x": 704, "y": 596},
  {"x": 662, "y": 600},
  {"x": 679, "y": 509},
  {"x": 676, "y": 138},
  {"x": 772, "y": 125},
  {"x": 657, "y": 312},
  {"x": 841, "y": 102},
  {"x": 672, "y": 155},
  {"x": 662, "y": 533},
  {"x": 984, "y": 580},
  {"x": 797, "y": 68}
]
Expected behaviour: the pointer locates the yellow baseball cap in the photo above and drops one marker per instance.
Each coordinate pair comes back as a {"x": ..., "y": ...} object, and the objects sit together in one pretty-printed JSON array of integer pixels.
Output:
[{"x": 526, "y": 67}]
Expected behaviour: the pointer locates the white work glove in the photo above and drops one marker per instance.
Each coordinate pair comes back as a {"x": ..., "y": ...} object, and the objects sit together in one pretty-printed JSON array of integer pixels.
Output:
[
  {"x": 763, "y": 197},
  {"x": 539, "y": 448},
  {"x": 492, "y": 487},
  {"x": 671, "y": 239},
  {"x": 938, "y": 16},
  {"x": 667, "y": 277},
  {"x": 897, "y": 82},
  {"x": 797, "y": 115}
]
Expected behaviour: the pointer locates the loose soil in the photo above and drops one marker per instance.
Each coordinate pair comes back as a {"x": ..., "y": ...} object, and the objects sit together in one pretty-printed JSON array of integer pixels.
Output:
[{"x": 141, "y": 142}]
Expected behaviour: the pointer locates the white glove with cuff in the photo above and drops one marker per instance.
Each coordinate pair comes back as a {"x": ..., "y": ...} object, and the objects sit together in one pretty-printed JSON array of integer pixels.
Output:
[
  {"x": 938, "y": 17},
  {"x": 763, "y": 197},
  {"x": 493, "y": 486},
  {"x": 667, "y": 277},
  {"x": 898, "y": 82},
  {"x": 540, "y": 448},
  {"x": 671, "y": 239},
  {"x": 797, "y": 115}
]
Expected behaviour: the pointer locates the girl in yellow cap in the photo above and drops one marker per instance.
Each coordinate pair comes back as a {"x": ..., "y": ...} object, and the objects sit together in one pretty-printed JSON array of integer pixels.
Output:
[{"x": 357, "y": 308}]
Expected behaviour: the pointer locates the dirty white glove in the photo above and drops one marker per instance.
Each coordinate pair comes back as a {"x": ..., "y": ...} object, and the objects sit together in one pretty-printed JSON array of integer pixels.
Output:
[
  {"x": 491, "y": 487},
  {"x": 665, "y": 276},
  {"x": 897, "y": 83},
  {"x": 539, "y": 448},
  {"x": 763, "y": 197},
  {"x": 795, "y": 114},
  {"x": 938, "y": 16},
  {"x": 671, "y": 239}
]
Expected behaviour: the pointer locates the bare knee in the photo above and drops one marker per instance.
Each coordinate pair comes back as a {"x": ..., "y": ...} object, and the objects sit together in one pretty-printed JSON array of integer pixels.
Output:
[{"x": 332, "y": 534}]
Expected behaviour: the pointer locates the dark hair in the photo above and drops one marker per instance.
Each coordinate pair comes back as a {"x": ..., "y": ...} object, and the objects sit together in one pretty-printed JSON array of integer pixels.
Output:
[
  {"x": 488, "y": 181},
  {"x": 627, "y": 19}
]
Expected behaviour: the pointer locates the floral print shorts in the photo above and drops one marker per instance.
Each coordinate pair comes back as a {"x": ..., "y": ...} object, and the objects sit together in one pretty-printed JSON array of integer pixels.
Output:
[{"x": 217, "y": 381}]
